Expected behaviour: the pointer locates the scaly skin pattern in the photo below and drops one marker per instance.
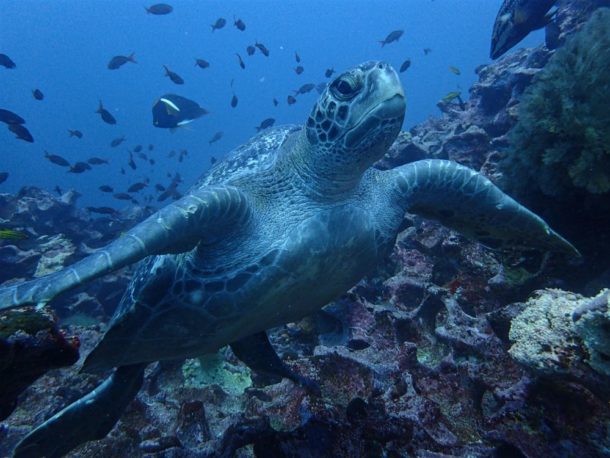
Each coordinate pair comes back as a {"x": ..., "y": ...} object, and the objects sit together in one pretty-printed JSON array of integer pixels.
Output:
[
  {"x": 515, "y": 20},
  {"x": 287, "y": 223}
]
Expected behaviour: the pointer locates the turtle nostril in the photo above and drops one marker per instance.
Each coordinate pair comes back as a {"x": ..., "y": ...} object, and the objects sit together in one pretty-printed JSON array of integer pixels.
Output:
[{"x": 380, "y": 65}]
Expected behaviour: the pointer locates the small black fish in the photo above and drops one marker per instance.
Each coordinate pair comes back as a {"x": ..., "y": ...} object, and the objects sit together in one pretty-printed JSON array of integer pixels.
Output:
[
  {"x": 3, "y": 177},
  {"x": 159, "y": 9},
  {"x": 172, "y": 111},
  {"x": 37, "y": 94},
  {"x": 291, "y": 100},
  {"x": 9, "y": 117},
  {"x": 275, "y": 102},
  {"x": 58, "y": 190},
  {"x": 299, "y": 69},
  {"x": 265, "y": 124},
  {"x": 137, "y": 148},
  {"x": 105, "y": 114},
  {"x": 122, "y": 196},
  {"x": 75, "y": 133},
  {"x": 427, "y": 51},
  {"x": 219, "y": 24},
  {"x": 79, "y": 167},
  {"x": 21, "y": 132},
  {"x": 151, "y": 161},
  {"x": 262, "y": 48},
  {"x": 159, "y": 187},
  {"x": 392, "y": 37},
  {"x": 305, "y": 88},
  {"x": 213, "y": 160},
  {"x": 217, "y": 136},
  {"x": 151, "y": 147},
  {"x": 241, "y": 62},
  {"x": 405, "y": 66},
  {"x": 250, "y": 50},
  {"x": 97, "y": 161},
  {"x": 106, "y": 188},
  {"x": 163, "y": 196},
  {"x": 56, "y": 159},
  {"x": 234, "y": 101},
  {"x": 297, "y": 57},
  {"x": 131, "y": 163},
  {"x": 202, "y": 63},
  {"x": 136, "y": 187},
  {"x": 122, "y": 171},
  {"x": 142, "y": 156},
  {"x": 177, "y": 79},
  {"x": 239, "y": 24},
  {"x": 6, "y": 61},
  {"x": 118, "y": 61},
  {"x": 329, "y": 72},
  {"x": 103, "y": 210},
  {"x": 117, "y": 141}
]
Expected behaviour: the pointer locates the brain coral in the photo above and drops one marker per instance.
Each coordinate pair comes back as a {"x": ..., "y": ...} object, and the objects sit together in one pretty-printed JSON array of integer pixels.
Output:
[{"x": 561, "y": 142}]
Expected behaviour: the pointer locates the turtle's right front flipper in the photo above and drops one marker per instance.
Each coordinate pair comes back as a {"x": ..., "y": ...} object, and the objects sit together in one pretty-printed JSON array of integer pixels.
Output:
[
  {"x": 174, "y": 229},
  {"x": 89, "y": 418},
  {"x": 466, "y": 201}
]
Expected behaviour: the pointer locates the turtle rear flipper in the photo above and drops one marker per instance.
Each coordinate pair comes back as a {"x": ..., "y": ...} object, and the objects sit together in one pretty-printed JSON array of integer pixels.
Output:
[
  {"x": 174, "y": 229},
  {"x": 466, "y": 201},
  {"x": 89, "y": 418},
  {"x": 257, "y": 353}
]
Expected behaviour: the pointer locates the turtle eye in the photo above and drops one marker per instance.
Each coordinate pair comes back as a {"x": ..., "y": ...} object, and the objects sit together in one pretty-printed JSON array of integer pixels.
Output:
[{"x": 346, "y": 87}]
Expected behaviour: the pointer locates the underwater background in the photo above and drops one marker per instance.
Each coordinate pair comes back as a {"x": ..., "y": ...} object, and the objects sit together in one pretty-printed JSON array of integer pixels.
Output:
[
  {"x": 63, "y": 48},
  {"x": 449, "y": 349}
]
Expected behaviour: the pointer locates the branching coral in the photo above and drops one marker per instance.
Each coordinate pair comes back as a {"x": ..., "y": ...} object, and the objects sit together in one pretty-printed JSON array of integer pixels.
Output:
[{"x": 562, "y": 138}]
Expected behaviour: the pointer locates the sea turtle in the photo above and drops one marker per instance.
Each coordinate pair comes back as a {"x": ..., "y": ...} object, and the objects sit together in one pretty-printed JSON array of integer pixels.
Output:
[{"x": 287, "y": 223}]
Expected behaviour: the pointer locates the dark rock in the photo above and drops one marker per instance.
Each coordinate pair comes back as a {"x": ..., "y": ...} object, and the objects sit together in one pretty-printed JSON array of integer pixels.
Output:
[{"x": 30, "y": 345}]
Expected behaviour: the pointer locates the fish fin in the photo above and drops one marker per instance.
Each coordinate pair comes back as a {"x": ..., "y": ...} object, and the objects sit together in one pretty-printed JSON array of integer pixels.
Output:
[
  {"x": 170, "y": 107},
  {"x": 520, "y": 16},
  {"x": 505, "y": 18},
  {"x": 132, "y": 58},
  {"x": 547, "y": 19}
]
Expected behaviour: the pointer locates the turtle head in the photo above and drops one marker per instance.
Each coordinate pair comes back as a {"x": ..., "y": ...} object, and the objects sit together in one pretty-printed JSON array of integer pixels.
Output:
[{"x": 356, "y": 119}]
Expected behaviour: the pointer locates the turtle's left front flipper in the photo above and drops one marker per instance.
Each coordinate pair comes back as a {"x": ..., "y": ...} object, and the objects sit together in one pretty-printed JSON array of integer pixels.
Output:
[
  {"x": 174, "y": 229},
  {"x": 89, "y": 418},
  {"x": 466, "y": 201},
  {"x": 257, "y": 353}
]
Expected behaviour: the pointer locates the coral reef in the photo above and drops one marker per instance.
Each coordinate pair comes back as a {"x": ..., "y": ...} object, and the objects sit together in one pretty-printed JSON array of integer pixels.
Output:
[
  {"x": 559, "y": 335},
  {"x": 592, "y": 324},
  {"x": 560, "y": 141},
  {"x": 30, "y": 345}
]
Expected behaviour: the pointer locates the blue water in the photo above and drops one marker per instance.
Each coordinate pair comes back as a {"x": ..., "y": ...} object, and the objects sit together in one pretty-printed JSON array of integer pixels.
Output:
[{"x": 63, "y": 48}]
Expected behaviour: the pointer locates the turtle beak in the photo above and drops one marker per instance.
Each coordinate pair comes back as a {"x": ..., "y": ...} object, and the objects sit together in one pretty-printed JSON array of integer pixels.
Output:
[{"x": 390, "y": 92}]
